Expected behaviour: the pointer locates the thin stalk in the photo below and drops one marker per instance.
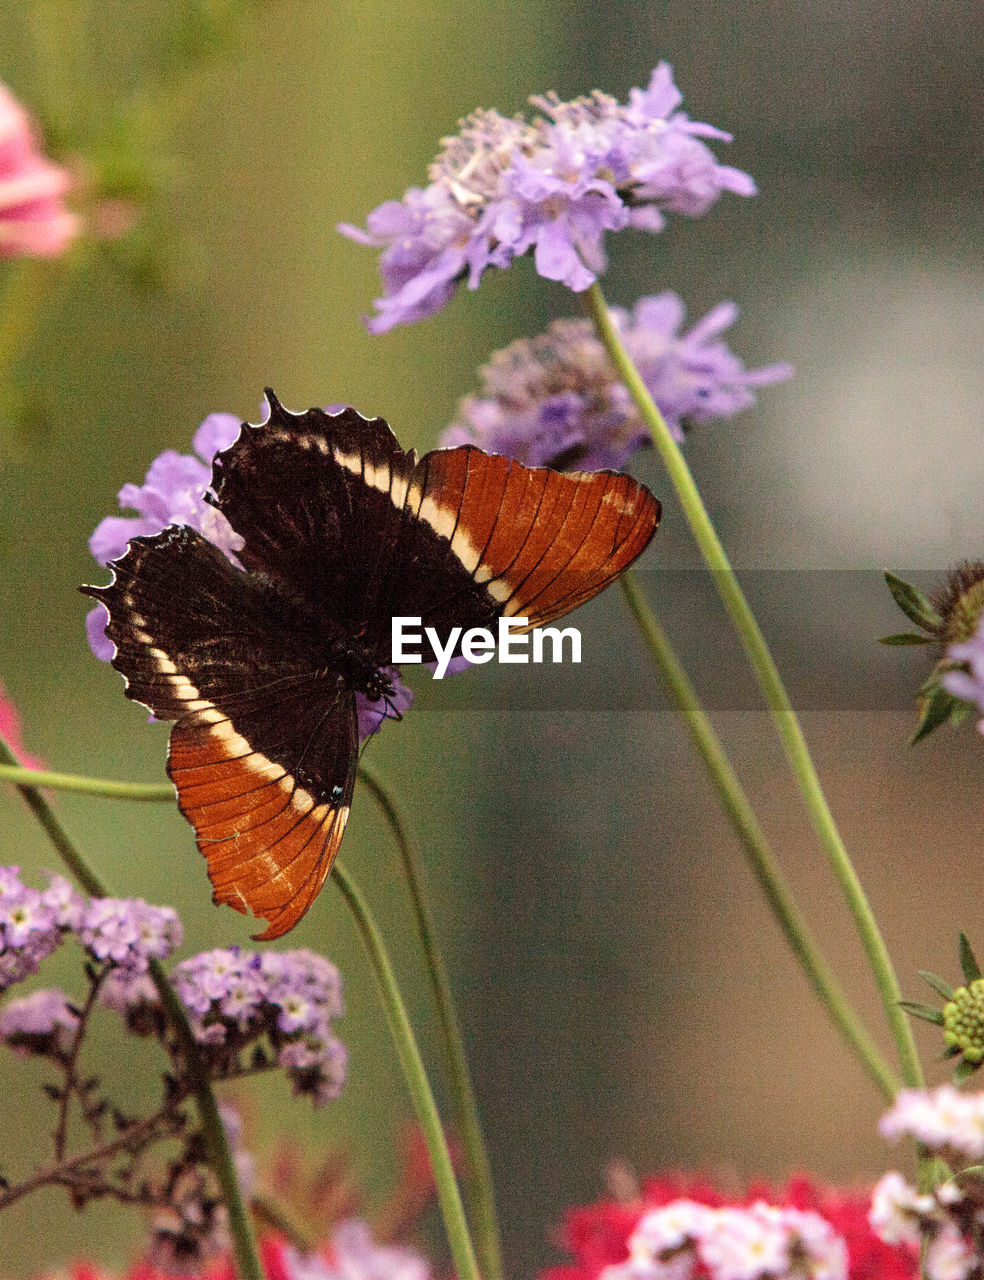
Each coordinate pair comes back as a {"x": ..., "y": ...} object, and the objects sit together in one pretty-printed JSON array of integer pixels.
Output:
[
  {"x": 248, "y": 1266},
  {"x": 790, "y": 731},
  {"x": 105, "y": 788},
  {"x": 477, "y": 1188},
  {"x": 448, "y": 1195},
  {"x": 754, "y": 841}
]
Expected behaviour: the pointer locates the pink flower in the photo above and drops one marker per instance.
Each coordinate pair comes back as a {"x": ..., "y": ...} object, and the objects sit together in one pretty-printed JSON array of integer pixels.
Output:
[
  {"x": 10, "y": 720},
  {"x": 34, "y": 221}
]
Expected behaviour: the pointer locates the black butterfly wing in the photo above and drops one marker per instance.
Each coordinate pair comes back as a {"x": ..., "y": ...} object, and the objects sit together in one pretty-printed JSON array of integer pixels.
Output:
[
  {"x": 319, "y": 499},
  {"x": 264, "y": 751}
]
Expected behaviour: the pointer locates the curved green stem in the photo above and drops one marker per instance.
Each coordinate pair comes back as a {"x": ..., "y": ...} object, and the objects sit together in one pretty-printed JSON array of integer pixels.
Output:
[
  {"x": 477, "y": 1183},
  {"x": 448, "y": 1195},
  {"x": 790, "y": 732},
  {"x": 248, "y": 1266},
  {"x": 105, "y": 788},
  {"x": 755, "y": 843}
]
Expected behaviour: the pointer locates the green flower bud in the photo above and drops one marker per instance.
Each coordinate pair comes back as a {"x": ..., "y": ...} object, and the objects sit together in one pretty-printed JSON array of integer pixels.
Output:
[{"x": 963, "y": 1021}]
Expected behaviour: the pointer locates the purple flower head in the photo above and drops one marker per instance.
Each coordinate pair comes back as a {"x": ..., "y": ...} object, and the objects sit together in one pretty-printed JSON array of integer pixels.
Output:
[
  {"x": 173, "y": 492},
  {"x": 555, "y": 400},
  {"x": 551, "y": 186},
  {"x": 29, "y": 928},
  {"x": 128, "y": 932},
  {"x": 42, "y": 1022},
  {"x": 284, "y": 1000}
]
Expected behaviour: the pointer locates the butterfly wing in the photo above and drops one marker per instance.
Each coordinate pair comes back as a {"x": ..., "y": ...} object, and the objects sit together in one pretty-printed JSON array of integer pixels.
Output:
[
  {"x": 486, "y": 536},
  {"x": 319, "y": 499},
  {"x": 264, "y": 751}
]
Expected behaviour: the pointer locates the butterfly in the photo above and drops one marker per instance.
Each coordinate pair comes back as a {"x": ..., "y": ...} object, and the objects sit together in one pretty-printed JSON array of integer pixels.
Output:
[{"x": 259, "y": 665}]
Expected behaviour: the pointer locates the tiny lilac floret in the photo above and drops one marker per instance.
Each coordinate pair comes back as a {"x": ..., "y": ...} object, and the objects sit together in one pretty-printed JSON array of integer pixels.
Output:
[
  {"x": 551, "y": 186},
  {"x": 41, "y": 1022},
  {"x": 29, "y": 928}
]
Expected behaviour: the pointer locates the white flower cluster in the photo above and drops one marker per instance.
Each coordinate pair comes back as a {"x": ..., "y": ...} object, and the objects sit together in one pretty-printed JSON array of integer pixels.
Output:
[
  {"x": 944, "y": 1219},
  {"x": 943, "y": 1119},
  {"x": 761, "y": 1242}
]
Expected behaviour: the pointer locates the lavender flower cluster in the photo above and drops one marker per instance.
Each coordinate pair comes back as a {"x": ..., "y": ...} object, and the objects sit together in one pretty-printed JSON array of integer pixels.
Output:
[
  {"x": 280, "y": 1005},
  {"x": 173, "y": 492},
  {"x": 123, "y": 933},
  {"x": 555, "y": 400},
  {"x": 247, "y": 999},
  {"x": 762, "y": 1242},
  {"x": 553, "y": 185}
]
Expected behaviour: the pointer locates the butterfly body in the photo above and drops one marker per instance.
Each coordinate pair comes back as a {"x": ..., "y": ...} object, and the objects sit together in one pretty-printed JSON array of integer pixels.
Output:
[{"x": 261, "y": 664}]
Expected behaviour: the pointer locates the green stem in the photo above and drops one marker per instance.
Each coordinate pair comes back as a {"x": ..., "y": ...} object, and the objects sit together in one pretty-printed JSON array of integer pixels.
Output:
[
  {"x": 771, "y": 684},
  {"x": 248, "y": 1266},
  {"x": 106, "y": 788},
  {"x": 448, "y": 1195},
  {"x": 477, "y": 1184},
  {"x": 754, "y": 841}
]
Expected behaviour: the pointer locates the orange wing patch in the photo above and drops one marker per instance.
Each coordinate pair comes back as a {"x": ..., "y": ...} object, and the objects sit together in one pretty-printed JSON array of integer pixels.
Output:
[
  {"x": 269, "y": 843},
  {"x": 541, "y": 542}
]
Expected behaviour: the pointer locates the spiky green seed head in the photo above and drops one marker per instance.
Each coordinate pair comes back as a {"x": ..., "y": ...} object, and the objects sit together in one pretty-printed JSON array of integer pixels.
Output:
[{"x": 963, "y": 1021}]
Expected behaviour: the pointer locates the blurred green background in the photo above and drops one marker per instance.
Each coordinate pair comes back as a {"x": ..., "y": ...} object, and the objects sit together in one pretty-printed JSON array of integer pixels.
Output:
[{"x": 624, "y": 992}]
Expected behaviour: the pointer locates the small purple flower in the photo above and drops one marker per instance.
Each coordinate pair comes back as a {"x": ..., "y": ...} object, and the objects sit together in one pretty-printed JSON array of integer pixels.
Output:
[
  {"x": 287, "y": 998},
  {"x": 555, "y": 400},
  {"x": 29, "y": 928},
  {"x": 128, "y": 932},
  {"x": 551, "y": 186},
  {"x": 66, "y": 903},
  {"x": 42, "y": 1022},
  {"x": 173, "y": 492}
]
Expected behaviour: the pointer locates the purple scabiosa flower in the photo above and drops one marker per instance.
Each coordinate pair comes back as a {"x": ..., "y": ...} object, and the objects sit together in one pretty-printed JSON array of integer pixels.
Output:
[
  {"x": 41, "y": 1023},
  {"x": 555, "y": 400},
  {"x": 34, "y": 221},
  {"x": 551, "y": 186},
  {"x": 173, "y": 492},
  {"x": 128, "y": 932},
  {"x": 29, "y": 929}
]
